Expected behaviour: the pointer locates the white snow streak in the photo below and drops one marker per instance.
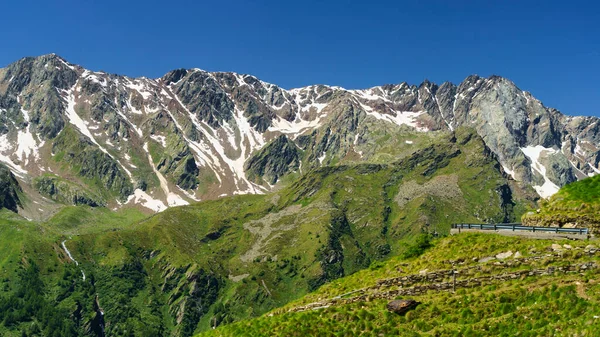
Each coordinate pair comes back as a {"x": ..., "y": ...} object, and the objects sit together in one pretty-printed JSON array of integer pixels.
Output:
[
  {"x": 172, "y": 198},
  {"x": 534, "y": 152},
  {"x": 321, "y": 158},
  {"x": 5, "y": 146},
  {"x": 25, "y": 114},
  {"x": 509, "y": 171},
  {"x": 595, "y": 170},
  {"x": 162, "y": 140},
  {"x": 76, "y": 120}
]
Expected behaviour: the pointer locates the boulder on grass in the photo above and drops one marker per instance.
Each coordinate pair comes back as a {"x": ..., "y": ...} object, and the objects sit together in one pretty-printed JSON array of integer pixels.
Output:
[{"x": 402, "y": 306}]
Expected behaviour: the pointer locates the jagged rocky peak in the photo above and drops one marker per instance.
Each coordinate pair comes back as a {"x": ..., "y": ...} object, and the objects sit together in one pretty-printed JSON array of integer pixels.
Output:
[
  {"x": 174, "y": 76},
  {"x": 193, "y": 134}
]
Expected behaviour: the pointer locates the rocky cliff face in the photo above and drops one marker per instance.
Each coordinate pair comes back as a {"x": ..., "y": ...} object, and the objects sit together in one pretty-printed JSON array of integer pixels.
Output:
[
  {"x": 9, "y": 190},
  {"x": 276, "y": 159},
  {"x": 194, "y": 135}
]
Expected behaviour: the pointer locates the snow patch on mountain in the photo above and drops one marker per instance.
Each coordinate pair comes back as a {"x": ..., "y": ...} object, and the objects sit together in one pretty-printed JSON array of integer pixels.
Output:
[
  {"x": 509, "y": 171},
  {"x": 144, "y": 199},
  {"x": 400, "y": 118},
  {"x": 27, "y": 146},
  {"x": 296, "y": 128},
  {"x": 139, "y": 86},
  {"x": 534, "y": 153},
  {"x": 322, "y": 157},
  {"x": 25, "y": 114},
  {"x": 373, "y": 94},
  {"x": 93, "y": 77},
  {"x": 5, "y": 146},
  {"x": 162, "y": 140},
  {"x": 201, "y": 151}
]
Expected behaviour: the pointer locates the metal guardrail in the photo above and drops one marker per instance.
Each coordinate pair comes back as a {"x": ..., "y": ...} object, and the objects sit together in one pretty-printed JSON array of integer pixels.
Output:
[{"x": 519, "y": 227}]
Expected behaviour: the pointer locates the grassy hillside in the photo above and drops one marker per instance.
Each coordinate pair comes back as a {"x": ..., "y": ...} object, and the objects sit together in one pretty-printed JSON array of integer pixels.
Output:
[
  {"x": 575, "y": 205},
  {"x": 487, "y": 301},
  {"x": 216, "y": 262}
]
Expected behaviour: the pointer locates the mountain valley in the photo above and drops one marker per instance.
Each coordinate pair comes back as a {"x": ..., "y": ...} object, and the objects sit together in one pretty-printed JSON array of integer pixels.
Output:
[{"x": 203, "y": 200}]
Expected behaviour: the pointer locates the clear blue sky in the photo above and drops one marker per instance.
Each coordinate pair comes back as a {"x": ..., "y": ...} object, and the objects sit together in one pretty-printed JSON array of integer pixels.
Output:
[{"x": 551, "y": 48}]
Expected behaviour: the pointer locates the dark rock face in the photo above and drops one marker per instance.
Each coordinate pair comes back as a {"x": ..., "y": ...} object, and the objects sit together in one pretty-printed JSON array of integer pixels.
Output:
[
  {"x": 178, "y": 161},
  {"x": 66, "y": 192},
  {"x": 401, "y": 307},
  {"x": 9, "y": 190},
  {"x": 204, "y": 98},
  {"x": 273, "y": 161},
  {"x": 35, "y": 87}
]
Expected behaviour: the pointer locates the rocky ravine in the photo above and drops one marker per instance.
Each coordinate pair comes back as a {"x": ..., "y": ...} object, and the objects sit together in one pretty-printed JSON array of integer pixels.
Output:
[{"x": 83, "y": 137}]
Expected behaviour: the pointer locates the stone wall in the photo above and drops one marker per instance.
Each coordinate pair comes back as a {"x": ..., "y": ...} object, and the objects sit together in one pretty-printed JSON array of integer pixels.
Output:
[{"x": 470, "y": 277}]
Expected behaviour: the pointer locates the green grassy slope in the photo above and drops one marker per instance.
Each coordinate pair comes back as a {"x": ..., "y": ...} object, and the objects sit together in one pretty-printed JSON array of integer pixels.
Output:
[
  {"x": 79, "y": 220},
  {"x": 29, "y": 252},
  {"x": 188, "y": 268},
  {"x": 576, "y": 204},
  {"x": 564, "y": 304}
]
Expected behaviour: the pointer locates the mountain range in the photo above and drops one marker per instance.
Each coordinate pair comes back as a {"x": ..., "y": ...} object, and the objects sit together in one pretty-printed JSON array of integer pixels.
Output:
[
  {"x": 73, "y": 136},
  {"x": 315, "y": 191}
]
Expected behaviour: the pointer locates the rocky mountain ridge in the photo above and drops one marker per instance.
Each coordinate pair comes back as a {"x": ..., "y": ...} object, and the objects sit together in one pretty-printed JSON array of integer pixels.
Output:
[{"x": 113, "y": 140}]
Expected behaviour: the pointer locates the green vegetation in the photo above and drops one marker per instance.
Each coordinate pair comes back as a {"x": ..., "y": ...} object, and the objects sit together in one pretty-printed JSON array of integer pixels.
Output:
[
  {"x": 79, "y": 220},
  {"x": 190, "y": 268},
  {"x": 576, "y": 204},
  {"x": 422, "y": 242},
  {"x": 98, "y": 170},
  {"x": 508, "y": 311},
  {"x": 566, "y": 304},
  {"x": 66, "y": 192},
  {"x": 28, "y": 304}
]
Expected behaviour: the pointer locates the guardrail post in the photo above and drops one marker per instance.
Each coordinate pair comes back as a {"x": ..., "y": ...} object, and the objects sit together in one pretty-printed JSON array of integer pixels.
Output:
[{"x": 533, "y": 229}]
